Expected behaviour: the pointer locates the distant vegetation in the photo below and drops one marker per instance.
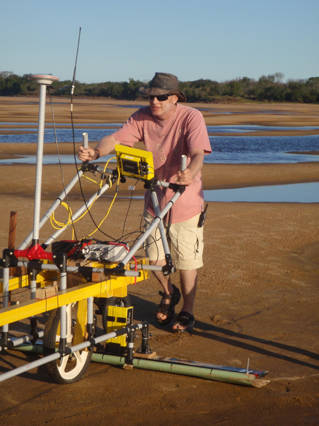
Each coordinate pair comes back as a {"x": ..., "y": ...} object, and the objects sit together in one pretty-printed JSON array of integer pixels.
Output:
[{"x": 269, "y": 88}]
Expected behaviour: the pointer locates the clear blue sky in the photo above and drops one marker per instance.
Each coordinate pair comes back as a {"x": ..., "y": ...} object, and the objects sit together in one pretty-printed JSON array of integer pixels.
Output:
[{"x": 121, "y": 39}]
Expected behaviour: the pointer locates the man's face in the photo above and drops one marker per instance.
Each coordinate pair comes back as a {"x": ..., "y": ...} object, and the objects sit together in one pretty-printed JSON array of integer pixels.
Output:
[{"x": 163, "y": 106}]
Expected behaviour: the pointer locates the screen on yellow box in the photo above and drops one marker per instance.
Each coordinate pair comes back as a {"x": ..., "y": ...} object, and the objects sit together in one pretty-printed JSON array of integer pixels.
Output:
[{"x": 133, "y": 162}]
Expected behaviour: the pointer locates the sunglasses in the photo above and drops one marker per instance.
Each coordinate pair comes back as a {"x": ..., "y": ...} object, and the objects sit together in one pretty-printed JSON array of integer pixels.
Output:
[{"x": 160, "y": 98}]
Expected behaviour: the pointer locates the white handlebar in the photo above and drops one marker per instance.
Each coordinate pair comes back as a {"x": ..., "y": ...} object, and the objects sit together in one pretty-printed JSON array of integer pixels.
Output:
[
  {"x": 183, "y": 162},
  {"x": 85, "y": 140}
]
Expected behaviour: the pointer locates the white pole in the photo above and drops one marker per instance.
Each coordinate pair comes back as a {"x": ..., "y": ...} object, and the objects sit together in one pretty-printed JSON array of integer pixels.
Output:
[{"x": 44, "y": 81}]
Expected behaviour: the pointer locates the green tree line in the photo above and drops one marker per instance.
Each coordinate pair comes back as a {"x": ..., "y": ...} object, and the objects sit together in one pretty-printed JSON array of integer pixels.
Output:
[{"x": 269, "y": 88}]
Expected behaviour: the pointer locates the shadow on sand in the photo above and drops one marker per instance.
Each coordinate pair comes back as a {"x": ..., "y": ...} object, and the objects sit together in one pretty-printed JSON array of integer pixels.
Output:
[{"x": 144, "y": 310}]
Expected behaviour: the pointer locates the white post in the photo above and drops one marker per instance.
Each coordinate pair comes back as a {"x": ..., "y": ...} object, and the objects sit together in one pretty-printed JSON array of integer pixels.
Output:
[{"x": 44, "y": 81}]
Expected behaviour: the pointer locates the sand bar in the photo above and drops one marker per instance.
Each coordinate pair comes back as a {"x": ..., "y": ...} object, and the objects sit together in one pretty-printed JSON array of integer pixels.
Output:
[
  {"x": 257, "y": 296},
  {"x": 104, "y": 110}
]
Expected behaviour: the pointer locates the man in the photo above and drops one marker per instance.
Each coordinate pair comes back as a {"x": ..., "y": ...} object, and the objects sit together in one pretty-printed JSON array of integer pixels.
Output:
[{"x": 169, "y": 130}]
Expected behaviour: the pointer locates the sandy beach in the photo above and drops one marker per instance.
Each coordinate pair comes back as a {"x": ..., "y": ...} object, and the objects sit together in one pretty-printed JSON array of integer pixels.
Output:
[
  {"x": 105, "y": 110},
  {"x": 257, "y": 298}
]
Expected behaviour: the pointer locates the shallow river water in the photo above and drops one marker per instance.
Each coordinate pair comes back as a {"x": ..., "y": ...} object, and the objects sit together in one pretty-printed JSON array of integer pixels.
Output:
[{"x": 244, "y": 149}]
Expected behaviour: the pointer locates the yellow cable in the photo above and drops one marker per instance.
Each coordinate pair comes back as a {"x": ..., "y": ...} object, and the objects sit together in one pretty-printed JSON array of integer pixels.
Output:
[
  {"x": 96, "y": 197},
  {"x": 104, "y": 218},
  {"x": 109, "y": 209},
  {"x": 60, "y": 225},
  {"x": 90, "y": 179},
  {"x": 57, "y": 224}
]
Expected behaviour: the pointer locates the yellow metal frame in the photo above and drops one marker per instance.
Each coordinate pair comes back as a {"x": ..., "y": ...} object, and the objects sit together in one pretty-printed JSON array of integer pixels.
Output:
[
  {"x": 131, "y": 162},
  {"x": 24, "y": 280},
  {"x": 119, "y": 313},
  {"x": 80, "y": 332},
  {"x": 115, "y": 286}
]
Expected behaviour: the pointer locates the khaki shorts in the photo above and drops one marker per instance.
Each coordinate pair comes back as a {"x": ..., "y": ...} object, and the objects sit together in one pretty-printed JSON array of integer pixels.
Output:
[{"x": 185, "y": 241}]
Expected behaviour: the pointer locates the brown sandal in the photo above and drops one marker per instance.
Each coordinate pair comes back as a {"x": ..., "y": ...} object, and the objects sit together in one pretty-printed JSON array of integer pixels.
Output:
[{"x": 168, "y": 309}]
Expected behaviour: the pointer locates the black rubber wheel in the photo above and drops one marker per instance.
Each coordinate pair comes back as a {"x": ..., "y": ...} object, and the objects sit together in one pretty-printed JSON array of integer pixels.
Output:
[{"x": 72, "y": 367}]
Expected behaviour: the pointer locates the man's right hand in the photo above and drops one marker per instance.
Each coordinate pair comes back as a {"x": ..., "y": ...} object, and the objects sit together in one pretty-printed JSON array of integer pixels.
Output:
[
  {"x": 86, "y": 154},
  {"x": 104, "y": 147}
]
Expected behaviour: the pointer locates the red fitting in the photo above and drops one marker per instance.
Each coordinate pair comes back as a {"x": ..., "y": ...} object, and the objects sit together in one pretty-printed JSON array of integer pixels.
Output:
[{"x": 34, "y": 252}]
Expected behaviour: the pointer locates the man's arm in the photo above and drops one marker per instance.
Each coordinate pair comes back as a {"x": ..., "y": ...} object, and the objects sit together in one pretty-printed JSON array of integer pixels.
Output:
[{"x": 104, "y": 147}]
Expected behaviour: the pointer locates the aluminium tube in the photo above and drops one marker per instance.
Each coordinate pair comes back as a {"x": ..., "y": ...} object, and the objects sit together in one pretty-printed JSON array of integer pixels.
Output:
[
  {"x": 79, "y": 212},
  {"x": 38, "y": 183},
  {"x": 157, "y": 212},
  {"x": 55, "y": 356},
  {"x": 90, "y": 316},
  {"x": 5, "y": 300},
  {"x": 85, "y": 139},
  {"x": 146, "y": 267},
  {"x": 53, "y": 267},
  {"x": 43, "y": 80},
  {"x": 183, "y": 162},
  {"x": 16, "y": 341},
  {"x": 83, "y": 345},
  {"x": 29, "y": 366},
  {"x": 139, "y": 242}
]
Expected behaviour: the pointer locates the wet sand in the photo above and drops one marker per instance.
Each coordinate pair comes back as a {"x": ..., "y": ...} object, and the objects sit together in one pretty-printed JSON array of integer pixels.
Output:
[{"x": 257, "y": 300}]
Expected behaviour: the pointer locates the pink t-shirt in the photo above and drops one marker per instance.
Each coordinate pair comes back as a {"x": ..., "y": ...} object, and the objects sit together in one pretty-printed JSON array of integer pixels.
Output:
[{"x": 184, "y": 133}]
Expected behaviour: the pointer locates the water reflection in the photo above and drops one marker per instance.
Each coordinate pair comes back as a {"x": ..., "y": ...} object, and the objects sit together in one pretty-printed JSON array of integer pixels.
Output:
[
  {"x": 256, "y": 128},
  {"x": 262, "y": 149},
  {"x": 47, "y": 159},
  {"x": 292, "y": 193},
  {"x": 243, "y": 149},
  {"x": 215, "y": 158}
]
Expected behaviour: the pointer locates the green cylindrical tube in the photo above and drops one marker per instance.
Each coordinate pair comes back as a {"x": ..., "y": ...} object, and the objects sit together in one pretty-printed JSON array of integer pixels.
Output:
[
  {"x": 171, "y": 367},
  {"x": 187, "y": 370},
  {"x": 38, "y": 349}
]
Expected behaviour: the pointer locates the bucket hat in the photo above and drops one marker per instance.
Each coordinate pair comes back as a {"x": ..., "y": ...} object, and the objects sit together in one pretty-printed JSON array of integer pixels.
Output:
[{"x": 163, "y": 84}]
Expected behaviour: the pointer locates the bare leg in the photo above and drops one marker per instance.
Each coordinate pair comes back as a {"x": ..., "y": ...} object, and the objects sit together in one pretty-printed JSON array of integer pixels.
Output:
[
  {"x": 165, "y": 282},
  {"x": 188, "y": 287}
]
